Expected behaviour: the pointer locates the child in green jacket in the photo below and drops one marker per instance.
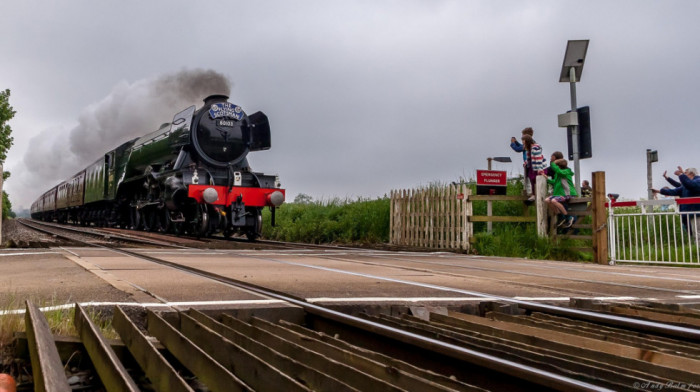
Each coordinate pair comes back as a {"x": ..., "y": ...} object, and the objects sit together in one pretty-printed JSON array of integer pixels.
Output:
[{"x": 562, "y": 190}]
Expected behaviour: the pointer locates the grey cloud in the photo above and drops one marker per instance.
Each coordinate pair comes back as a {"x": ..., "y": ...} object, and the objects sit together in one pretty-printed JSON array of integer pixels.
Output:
[
  {"x": 362, "y": 96},
  {"x": 130, "y": 110}
]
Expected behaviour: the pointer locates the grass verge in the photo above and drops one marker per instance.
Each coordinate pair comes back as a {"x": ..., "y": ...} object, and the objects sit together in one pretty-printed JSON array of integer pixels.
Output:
[{"x": 60, "y": 320}]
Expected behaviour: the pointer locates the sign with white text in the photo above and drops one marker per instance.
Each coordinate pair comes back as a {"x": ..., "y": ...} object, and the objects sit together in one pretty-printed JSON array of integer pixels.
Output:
[{"x": 491, "y": 182}]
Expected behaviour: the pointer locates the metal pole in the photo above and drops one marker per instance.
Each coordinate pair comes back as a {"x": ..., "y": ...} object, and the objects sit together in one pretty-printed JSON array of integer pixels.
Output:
[
  {"x": 489, "y": 162},
  {"x": 649, "y": 178},
  {"x": 574, "y": 132}
]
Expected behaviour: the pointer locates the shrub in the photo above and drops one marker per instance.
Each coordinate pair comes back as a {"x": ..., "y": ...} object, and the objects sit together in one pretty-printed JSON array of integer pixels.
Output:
[{"x": 332, "y": 221}]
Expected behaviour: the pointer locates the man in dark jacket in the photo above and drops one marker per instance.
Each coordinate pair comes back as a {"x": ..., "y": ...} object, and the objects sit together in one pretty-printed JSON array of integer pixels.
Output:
[{"x": 689, "y": 186}]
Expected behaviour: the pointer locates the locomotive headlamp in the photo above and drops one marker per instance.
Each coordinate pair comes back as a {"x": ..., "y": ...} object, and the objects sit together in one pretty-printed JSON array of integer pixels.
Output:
[
  {"x": 210, "y": 195},
  {"x": 275, "y": 198}
]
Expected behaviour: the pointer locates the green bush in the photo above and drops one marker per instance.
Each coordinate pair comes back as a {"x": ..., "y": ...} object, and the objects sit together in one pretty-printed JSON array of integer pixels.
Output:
[
  {"x": 333, "y": 221},
  {"x": 522, "y": 241}
]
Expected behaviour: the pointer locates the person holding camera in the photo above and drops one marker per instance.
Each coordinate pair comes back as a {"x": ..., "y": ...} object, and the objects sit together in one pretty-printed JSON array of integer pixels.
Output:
[{"x": 688, "y": 185}]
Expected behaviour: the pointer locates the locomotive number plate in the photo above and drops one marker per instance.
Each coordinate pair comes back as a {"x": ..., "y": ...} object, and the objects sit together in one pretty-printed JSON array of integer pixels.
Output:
[{"x": 225, "y": 123}]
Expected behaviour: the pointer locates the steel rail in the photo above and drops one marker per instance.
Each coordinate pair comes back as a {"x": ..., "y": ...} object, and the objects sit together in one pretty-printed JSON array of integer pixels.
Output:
[
  {"x": 102, "y": 235},
  {"x": 639, "y": 325}
]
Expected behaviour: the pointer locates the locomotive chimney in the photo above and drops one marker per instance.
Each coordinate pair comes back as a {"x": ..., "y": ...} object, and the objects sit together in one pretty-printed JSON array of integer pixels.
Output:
[{"x": 215, "y": 98}]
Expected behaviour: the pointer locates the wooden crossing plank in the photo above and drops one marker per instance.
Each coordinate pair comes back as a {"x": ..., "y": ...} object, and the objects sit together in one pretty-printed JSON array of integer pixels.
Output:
[
  {"x": 110, "y": 369},
  {"x": 47, "y": 368},
  {"x": 209, "y": 371},
  {"x": 398, "y": 378},
  {"x": 253, "y": 370},
  {"x": 154, "y": 365}
]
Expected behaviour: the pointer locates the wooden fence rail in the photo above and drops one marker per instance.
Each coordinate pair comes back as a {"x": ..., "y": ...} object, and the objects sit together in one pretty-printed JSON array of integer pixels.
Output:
[{"x": 431, "y": 218}]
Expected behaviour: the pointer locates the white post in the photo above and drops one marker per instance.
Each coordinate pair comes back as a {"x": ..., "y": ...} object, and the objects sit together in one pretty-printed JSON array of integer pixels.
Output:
[
  {"x": 469, "y": 225},
  {"x": 650, "y": 194},
  {"x": 542, "y": 213},
  {"x": 489, "y": 212},
  {"x": 1, "y": 199}
]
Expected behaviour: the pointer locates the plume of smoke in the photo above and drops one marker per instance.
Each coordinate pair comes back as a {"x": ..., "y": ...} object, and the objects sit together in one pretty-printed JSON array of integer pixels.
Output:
[{"x": 130, "y": 110}]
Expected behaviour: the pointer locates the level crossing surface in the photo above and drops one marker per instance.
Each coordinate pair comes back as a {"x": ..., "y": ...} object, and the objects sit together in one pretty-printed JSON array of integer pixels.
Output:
[{"x": 68, "y": 275}]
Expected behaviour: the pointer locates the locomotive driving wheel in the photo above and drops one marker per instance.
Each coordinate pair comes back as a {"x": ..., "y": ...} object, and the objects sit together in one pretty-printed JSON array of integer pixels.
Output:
[
  {"x": 200, "y": 225},
  {"x": 255, "y": 232}
]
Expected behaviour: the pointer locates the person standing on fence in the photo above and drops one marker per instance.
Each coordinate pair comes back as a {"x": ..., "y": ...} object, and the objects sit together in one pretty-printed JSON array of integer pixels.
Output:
[
  {"x": 520, "y": 147},
  {"x": 563, "y": 189},
  {"x": 689, "y": 186},
  {"x": 534, "y": 162},
  {"x": 517, "y": 146}
]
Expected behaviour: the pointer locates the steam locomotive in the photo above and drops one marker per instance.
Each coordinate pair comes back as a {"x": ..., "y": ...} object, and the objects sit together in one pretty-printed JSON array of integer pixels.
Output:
[{"x": 189, "y": 176}]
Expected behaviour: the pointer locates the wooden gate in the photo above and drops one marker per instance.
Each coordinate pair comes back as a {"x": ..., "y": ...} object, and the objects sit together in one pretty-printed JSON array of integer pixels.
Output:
[{"x": 434, "y": 218}]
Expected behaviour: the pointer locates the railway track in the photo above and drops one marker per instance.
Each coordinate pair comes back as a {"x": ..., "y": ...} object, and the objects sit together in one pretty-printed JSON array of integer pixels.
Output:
[
  {"x": 163, "y": 239},
  {"x": 500, "y": 345},
  {"x": 319, "y": 349},
  {"x": 93, "y": 236}
]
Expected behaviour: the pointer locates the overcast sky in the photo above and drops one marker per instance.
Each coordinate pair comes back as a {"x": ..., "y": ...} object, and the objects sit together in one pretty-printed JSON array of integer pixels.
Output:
[{"x": 363, "y": 96}]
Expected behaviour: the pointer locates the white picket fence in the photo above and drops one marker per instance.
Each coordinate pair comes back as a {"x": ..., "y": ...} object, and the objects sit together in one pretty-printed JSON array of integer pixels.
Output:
[{"x": 653, "y": 231}]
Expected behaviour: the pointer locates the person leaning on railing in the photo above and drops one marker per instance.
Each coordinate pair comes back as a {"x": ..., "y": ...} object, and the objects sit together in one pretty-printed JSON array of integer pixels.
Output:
[{"x": 688, "y": 185}]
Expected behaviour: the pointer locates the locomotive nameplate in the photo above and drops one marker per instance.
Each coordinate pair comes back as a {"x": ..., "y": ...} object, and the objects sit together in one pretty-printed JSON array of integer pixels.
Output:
[
  {"x": 225, "y": 123},
  {"x": 225, "y": 109}
]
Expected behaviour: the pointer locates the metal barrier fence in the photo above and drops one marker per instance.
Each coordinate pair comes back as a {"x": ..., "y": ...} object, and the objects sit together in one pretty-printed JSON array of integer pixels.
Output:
[{"x": 654, "y": 231}]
